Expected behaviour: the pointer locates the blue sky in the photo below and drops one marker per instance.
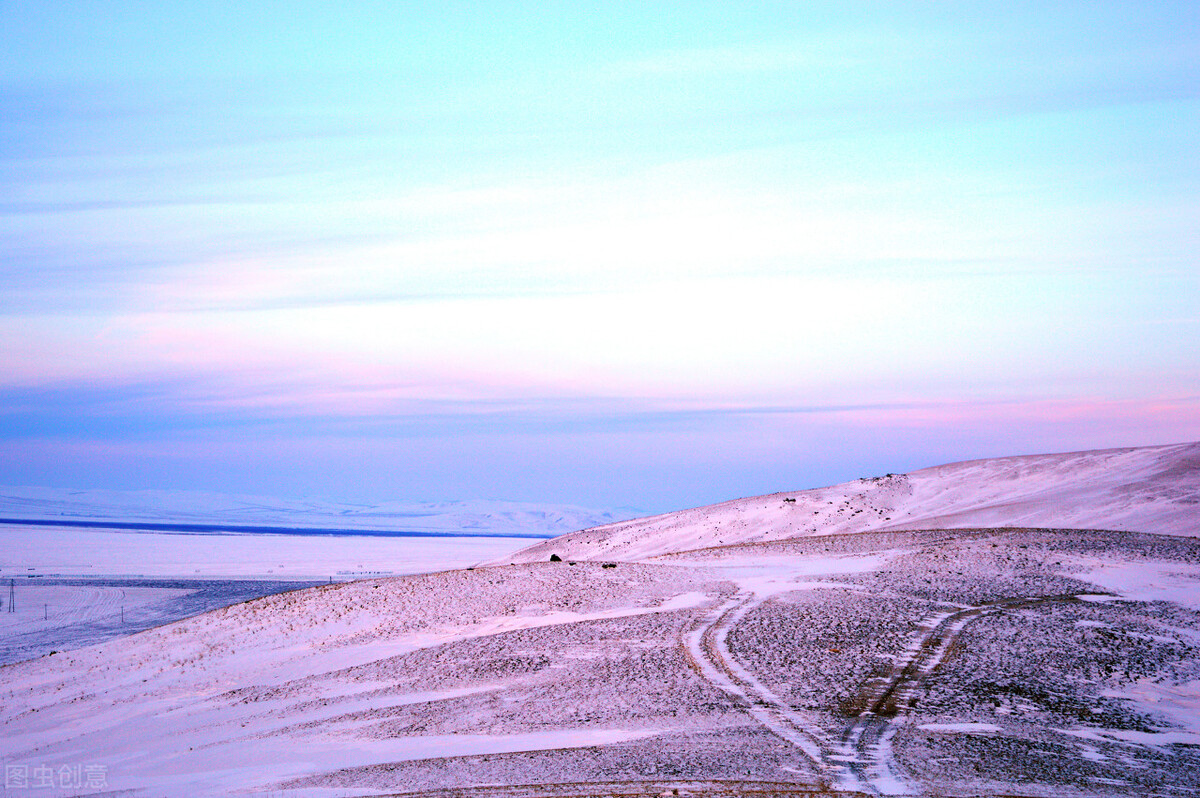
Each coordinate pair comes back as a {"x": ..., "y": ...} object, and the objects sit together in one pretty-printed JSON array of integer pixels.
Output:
[{"x": 605, "y": 254}]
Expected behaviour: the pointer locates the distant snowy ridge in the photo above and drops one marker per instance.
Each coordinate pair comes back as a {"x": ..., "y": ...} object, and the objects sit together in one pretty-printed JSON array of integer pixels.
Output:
[
  {"x": 1147, "y": 489},
  {"x": 216, "y": 509}
]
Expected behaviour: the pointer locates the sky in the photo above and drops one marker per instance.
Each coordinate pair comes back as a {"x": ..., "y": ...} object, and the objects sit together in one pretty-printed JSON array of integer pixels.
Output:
[{"x": 653, "y": 255}]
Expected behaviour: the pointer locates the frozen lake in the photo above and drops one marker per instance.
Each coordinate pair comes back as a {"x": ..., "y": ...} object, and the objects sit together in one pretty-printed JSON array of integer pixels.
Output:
[
  {"x": 77, "y": 586},
  {"x": 53, "y": 551},
  {"x": 60, "y": 615}
]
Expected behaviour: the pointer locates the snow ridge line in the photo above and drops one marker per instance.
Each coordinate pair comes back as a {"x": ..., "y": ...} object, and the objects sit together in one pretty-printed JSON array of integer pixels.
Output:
[{"x": 707, "y": 643}]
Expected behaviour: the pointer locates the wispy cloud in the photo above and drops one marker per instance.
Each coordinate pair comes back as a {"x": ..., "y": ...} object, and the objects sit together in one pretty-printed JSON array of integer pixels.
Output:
[{"x": 598, "y": 249}]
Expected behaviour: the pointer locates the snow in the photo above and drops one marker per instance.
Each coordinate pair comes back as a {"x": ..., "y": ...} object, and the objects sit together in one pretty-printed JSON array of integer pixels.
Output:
[
  {"x": 350, "y": 678},
  {"x": 961, "y": 728},
  {"x": 344, "y": 683},
  {"x": 165, "y": 723},
  {"x": 720, "y": 668},
  {"x": 1173, "y": 705},
  {"x": 1150, "y": 739},
  {"x": 1143, "y": 580},
  {"x": 1149, "y": 489},
  {"x": 498, "y": 625},
  {"x": 769, "y": 576}
]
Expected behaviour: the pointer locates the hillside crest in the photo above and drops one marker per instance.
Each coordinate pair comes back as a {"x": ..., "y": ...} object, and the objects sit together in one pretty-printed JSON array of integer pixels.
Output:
[{"x": 1152, "y": 489}]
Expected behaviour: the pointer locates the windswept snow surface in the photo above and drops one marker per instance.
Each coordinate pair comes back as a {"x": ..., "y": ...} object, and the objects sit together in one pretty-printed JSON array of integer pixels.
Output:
[
  {"x": 807, "y": 647},
  {"x": 1149, "y": 489},
  {"x": 899, "y": 663},
  {"x": 348, "y": 676}
]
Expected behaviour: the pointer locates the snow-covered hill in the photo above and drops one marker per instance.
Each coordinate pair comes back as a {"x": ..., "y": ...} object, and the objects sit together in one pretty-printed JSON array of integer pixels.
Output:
[
  {"x": 920, "y": 663},
  {"x": 1148, "y": 489},
  {"x": 196, "y": 507},
  {"x": 913, "y": 663}
]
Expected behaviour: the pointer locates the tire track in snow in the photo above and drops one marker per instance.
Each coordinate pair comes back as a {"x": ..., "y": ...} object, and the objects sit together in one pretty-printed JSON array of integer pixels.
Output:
[
  {"x": 707, "y": 644},
  {"x": 867, "y": 744},
  {"x": 862, "y": 761}
]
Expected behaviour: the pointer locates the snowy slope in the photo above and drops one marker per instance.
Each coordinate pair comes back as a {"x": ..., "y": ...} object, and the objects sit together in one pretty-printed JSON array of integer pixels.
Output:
[
  {"x": 1148, "y": 489},
  {"x": 173, "y": 506},
  {"x": 306, "y": 681},
  {"x": 758, "y": 673},
  {"x": 761, "y": 665}
]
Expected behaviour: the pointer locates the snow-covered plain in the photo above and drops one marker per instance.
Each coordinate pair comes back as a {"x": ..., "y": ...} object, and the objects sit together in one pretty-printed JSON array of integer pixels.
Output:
[{"x": 939, "y": 662}]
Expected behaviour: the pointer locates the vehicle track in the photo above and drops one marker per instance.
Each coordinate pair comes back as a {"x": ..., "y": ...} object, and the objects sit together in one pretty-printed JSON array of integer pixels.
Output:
[
  {"x": 868, "y": 742},
  {"x": 707, "y": 644},
  {"x": 861, "y": 761}
]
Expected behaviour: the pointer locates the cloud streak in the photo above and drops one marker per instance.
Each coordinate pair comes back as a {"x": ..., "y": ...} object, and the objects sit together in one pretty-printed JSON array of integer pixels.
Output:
[{"x": 672, "y": 241}]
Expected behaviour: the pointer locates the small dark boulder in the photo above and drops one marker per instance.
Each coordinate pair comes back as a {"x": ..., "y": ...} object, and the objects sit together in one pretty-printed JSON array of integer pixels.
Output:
[
  {"x": 555, "y": 558},
  {"x": 608, "y": 565}
]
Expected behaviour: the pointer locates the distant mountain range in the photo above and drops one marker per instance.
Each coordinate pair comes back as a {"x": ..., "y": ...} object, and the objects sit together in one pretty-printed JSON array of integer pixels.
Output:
[{"x": 195, "y": 511}]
